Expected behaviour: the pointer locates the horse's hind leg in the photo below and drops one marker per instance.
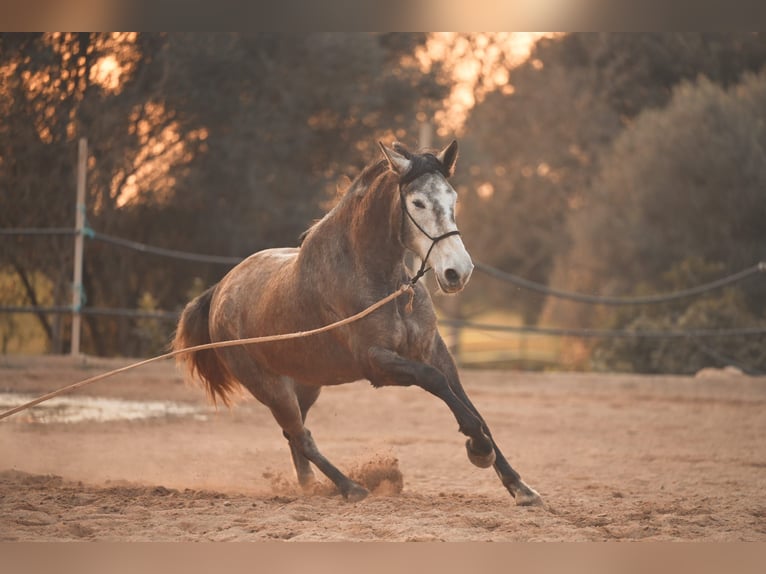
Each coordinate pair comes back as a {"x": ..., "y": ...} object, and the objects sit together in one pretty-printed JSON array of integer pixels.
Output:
[
  {"x": 286, "y": 408},
  {"x": 522, "y": 493},
  {"x": 305, "y": 445},
  {"x": 289, "y": 402},
  {"x": 306, "y": 397}
]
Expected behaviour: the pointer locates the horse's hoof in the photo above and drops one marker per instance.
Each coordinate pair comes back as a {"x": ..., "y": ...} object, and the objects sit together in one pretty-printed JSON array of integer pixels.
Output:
[
  {"x": 526, "y": 496},
  {"x": 308, "y": 482},
  {"x": 478, "y": 459},
  {"x": 355, "y": 493}
]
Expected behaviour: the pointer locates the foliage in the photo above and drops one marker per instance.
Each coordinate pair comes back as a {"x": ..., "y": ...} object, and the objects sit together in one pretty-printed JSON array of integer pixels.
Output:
[
  {"x": 20, "y": 332},
  {"x": 536, "y": 148},
  {"x": 727, "y": 309},
  {"x": 151, "y": 337},
  {"x": 604, "y": 163},
  {"x": 531, "y": 152},
  {"x": 217, "y": 143},
  {"x": 682, "y": 183}
]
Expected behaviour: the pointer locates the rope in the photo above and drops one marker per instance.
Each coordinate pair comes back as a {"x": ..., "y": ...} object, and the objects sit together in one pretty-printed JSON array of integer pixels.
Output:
[
  {"x": 102, "y": 311},
  {"x": 406, "y": 288},
  {"x": 606, "y": 300},
  {"x": 134, "y": 313},
  {"x": 60, "y": 310},
  {"x": 128, "y": 243},
  {"x": 144, "y": 248},
  {"x": 38, "y": 231},
  {"x": 483, "y": 267},
  {"x": 606, "y": 333}
]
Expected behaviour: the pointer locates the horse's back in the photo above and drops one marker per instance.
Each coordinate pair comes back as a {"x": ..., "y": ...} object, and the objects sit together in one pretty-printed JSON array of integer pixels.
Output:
[
  {"x": 268, "y": 260},
  {"x": 260, "y": 270},
  {"x": 250, "y": 286}
]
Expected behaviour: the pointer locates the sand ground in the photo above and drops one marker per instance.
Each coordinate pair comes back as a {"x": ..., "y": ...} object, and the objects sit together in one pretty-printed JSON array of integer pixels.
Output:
[{"x": 615, "y": 457}]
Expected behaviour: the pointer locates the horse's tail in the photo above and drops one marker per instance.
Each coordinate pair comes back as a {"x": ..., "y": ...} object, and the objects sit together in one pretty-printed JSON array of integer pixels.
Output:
[{"x": 194, "y": 329}]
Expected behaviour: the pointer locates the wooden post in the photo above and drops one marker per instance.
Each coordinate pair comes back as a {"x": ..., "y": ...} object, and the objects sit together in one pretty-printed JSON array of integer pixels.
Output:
[
  {"x": 79, "y": 244},
  {"x": 425, "y": 137}
]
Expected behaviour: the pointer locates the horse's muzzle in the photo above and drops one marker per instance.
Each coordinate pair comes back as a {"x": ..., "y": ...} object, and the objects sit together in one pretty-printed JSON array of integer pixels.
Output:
[{"x": 453, "y": 280}]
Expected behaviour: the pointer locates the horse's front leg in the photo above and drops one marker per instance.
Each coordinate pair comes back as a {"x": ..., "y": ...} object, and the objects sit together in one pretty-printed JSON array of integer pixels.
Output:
[
  {"x": 391, "y": 369},
  {"x": 522, "y": 493}
]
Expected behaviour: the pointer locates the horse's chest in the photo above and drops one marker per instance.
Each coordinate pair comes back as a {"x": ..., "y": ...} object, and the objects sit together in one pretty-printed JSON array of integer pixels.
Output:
[
  {"x": 413, "y": 340},
  {"x": 317, "y": 360}
]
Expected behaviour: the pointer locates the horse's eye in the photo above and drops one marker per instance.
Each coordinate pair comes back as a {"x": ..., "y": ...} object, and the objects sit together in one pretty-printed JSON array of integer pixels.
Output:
[{"x": 419, "y": 204}]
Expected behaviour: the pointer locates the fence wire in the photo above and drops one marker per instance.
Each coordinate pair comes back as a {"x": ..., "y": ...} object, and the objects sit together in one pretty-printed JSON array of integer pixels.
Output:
[
  {"x": 609, "y": 300},
  {"x": 105, "y": 311},
  {"x": 22, "y": 231},
  {"x": 483, "y": 267},
  {"x": 605, "y": 333},
  {"x": 173, "y": 253}
]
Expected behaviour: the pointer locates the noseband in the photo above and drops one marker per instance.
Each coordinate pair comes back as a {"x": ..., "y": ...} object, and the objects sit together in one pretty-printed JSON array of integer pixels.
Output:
[{"x": 434, "y": 240}]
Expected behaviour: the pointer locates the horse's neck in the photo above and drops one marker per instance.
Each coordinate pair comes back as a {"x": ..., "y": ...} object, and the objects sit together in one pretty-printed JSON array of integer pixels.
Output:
[
  {"x": 363, "y": 235},
  {"x": 376, "y": 230}
]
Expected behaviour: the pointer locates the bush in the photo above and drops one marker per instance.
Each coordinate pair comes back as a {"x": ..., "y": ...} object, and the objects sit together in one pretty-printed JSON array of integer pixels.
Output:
[{"x": 725, "y": 309}]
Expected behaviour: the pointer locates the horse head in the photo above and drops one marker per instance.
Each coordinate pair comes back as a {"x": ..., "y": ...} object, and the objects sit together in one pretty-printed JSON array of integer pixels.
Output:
[{"x": 428, "y": 205}]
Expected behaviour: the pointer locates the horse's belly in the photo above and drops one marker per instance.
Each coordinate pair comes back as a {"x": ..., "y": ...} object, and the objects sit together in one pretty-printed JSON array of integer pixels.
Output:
[{"x": 310, "y": 362}]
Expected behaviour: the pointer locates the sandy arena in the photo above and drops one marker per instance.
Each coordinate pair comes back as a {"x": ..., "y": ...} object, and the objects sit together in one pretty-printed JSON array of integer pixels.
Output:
[{"x": 615, "y": 457}]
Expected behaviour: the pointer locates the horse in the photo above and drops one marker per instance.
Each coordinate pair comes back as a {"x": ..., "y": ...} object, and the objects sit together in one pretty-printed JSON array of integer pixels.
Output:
[{"x": 349, "y": 259}]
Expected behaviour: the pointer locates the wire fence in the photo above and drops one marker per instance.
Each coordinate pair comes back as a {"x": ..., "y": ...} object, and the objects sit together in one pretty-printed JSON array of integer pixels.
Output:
[
  {"x": 607, "y": 300},
  {"x": 103, "y": 311},
  {"x": 605, "y": 333},
  {"x": 150, "y": 249},
  {"x": 21, "y": 231},
  {"x": 454, "y": 323}
]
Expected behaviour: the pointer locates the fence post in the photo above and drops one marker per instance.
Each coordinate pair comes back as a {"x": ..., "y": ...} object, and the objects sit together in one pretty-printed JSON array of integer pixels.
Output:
[
  {"x": 79, "y": 244},
  {"x": 425, "y": 134}
]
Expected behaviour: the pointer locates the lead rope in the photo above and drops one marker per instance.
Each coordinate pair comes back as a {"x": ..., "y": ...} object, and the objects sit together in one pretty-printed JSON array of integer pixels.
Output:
[{"x": 406, "y": 288}]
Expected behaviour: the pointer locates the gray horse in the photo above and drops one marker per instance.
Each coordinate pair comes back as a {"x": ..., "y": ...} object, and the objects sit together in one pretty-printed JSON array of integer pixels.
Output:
[{"x": 351, "y": 258}]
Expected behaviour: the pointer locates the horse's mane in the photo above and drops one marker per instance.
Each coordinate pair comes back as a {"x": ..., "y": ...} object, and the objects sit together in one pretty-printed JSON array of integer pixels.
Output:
[
  {"x": 421, "y": 163},
  {"x": 359, "y": 185},
  {"x": 369, "y": 174}
]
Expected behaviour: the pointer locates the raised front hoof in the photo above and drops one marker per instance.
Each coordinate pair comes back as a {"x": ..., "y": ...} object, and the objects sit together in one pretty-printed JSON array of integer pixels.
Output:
[
  {"x": 526, "y": 496},
  {"x": 355, "y": 492},
  {"x": 479, "y": 459}
]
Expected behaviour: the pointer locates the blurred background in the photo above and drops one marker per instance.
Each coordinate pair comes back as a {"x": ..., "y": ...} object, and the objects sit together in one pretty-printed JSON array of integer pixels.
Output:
[{"x": 606, "y": 165}]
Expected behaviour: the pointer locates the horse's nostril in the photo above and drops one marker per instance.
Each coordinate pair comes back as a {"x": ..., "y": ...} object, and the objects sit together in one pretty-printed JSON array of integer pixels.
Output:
[{"x": 451, "y": 275}]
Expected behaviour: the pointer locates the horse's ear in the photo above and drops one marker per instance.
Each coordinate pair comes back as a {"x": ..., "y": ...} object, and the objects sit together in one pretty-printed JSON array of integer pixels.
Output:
[
  {"x": 399, "y": 163},
  {"x": 448, "y": 157}
]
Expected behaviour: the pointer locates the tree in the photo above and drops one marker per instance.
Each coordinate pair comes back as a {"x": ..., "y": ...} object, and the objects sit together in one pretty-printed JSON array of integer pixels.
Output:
[
  {"x": 51, "y": 90},
  {"x": 684, "y": 183},
  {"x": 532, "y": 150},
  {"x": 217, "y": 143},
  {"x": 535, "y": 146}
]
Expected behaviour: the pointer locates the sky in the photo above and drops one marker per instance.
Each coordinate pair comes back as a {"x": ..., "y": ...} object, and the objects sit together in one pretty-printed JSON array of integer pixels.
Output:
[{"x": 479, "y": 63}]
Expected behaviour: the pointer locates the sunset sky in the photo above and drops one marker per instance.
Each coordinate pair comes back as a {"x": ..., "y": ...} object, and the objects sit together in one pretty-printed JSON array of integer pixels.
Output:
[{"x": 479, "y": 63}]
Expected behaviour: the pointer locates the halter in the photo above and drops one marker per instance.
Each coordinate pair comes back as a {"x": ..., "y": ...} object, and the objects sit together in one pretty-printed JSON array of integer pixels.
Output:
[{"x": 434, "y": 240}]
